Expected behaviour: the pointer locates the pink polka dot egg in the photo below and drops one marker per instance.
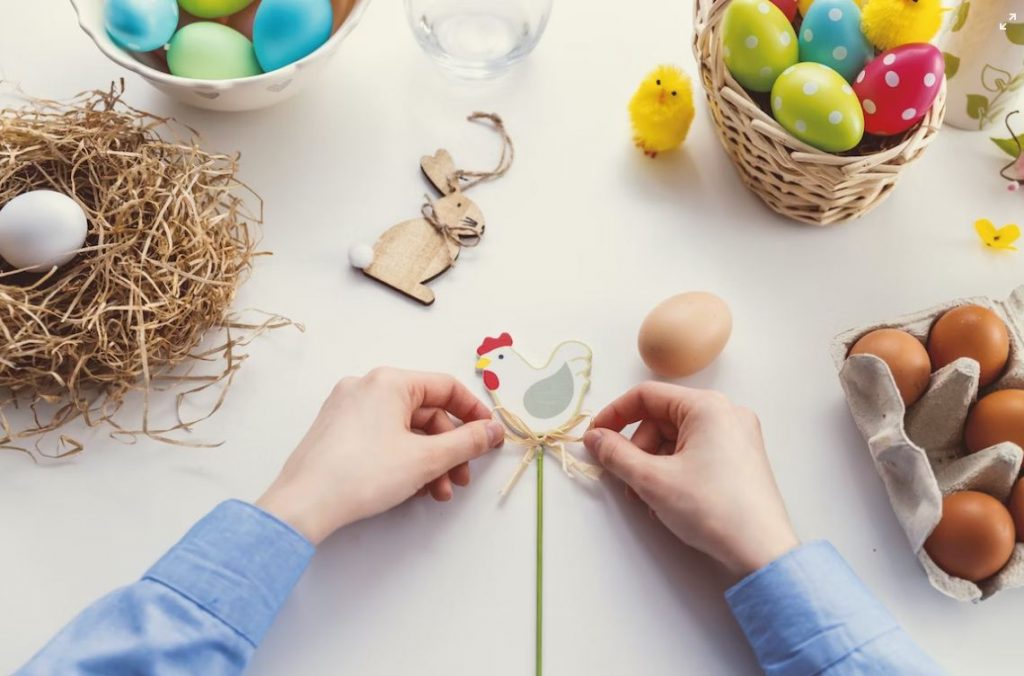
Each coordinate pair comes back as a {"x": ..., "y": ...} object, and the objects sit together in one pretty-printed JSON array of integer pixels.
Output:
[{"x": 897, "y": 87}]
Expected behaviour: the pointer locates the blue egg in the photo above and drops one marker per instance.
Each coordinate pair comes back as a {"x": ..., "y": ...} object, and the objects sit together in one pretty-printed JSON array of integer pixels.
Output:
[
  {"x": 830, "y": 35},
  {"x": 284, "y": 31},
  {"x": 140, "y": 25}
]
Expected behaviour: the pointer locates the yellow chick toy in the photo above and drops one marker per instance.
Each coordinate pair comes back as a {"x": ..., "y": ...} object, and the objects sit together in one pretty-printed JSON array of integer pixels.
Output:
[
  {"x": 661, "y": 110},
  {"x": 891, "y": 23}
]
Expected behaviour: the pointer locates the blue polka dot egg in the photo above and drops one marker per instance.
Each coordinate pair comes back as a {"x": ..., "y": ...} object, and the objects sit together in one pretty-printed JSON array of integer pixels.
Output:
[
  {"x": 830, "y": 34},
  {"x": 815, "y": 104}
]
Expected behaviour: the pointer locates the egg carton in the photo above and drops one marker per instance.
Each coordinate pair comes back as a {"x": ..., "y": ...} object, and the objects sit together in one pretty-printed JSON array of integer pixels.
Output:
[{"x": 919, "y": 452}]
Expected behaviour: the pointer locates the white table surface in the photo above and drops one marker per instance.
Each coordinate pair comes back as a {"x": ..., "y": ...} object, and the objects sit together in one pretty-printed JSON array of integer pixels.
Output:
[{"x": 584, "y": 236}]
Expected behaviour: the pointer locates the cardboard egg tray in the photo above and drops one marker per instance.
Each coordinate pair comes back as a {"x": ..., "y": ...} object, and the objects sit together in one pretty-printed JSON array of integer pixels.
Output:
[{"x": 919, "y": 453}]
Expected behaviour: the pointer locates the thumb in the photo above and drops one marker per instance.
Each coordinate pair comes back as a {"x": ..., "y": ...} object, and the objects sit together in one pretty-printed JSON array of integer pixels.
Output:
[
  {"x": 469, "y": 441},
  {"x": 622, "y": 458}
]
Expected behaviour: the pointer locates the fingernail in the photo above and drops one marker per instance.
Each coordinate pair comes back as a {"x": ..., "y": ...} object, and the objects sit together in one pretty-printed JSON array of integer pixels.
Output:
[
  {"x": 495, "y": 433},
  {"x": 592, "y": 439}
]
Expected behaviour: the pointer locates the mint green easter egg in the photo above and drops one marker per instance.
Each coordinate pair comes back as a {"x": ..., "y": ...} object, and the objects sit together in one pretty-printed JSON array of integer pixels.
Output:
[
  {"x": 758, "y": 43},
  {"x": 211, "y": 51},
  {"x": 213, "y": 9},
  {"x": 815, "y": 104}
]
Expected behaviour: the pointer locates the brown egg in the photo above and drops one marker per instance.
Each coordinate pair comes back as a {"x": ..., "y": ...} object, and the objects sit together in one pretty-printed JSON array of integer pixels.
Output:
[
  {"x": 974, "y": 538},
  {"x": 1016, "y": 505},
  {"x": 907, "y": 359},
  {"x": 684, "y": 334},
  {"x": 994, "y": 419},
  {"x": 971, "y": 331}
]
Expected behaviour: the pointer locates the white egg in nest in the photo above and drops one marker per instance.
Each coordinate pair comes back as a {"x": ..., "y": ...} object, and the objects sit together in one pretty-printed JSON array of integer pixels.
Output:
[{"x": 41, "y": 229}]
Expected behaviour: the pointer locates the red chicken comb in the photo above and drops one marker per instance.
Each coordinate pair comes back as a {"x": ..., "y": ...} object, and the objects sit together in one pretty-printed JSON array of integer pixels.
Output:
[{"x": 504, "y": 340}]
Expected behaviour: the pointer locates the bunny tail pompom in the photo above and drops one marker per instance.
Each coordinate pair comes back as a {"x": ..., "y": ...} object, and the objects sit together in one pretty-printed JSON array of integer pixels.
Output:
[{"x": 360, "y": 256}]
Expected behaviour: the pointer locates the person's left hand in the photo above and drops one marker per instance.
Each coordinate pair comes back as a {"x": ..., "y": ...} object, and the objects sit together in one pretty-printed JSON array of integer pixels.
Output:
[{"x": 377, "y": 441}]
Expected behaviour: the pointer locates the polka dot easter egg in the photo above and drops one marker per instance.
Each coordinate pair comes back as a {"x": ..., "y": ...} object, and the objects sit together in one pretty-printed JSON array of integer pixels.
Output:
[
  {"x": 758, "y": 43},
  {"x": 898, "y": 87},
  {"x": 830, "y": 34},
  {"x": 815, "y": 104}
]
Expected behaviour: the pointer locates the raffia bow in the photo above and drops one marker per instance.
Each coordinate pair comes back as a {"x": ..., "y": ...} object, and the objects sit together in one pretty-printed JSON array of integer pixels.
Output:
[
  {"x": 460, "y": 235},
  {"x": 554, "y": 440}
]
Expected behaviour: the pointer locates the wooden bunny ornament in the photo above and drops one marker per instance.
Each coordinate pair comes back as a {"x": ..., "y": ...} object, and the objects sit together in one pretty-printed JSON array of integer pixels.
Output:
[{"x": 414, "y": 252}]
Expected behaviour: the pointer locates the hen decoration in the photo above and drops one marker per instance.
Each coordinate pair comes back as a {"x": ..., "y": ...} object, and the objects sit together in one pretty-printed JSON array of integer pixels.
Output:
[{"x": 541, "y": 406}]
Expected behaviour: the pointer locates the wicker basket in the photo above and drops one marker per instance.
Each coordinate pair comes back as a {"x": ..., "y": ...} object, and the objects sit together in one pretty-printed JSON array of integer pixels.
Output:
[{"x": 793, "y": 178}]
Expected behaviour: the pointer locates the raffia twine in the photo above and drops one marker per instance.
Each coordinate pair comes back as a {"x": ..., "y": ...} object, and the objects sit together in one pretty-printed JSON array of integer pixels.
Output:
[
  {"x": 554, "y": 440},
  {"x": 171, "y": 237}
]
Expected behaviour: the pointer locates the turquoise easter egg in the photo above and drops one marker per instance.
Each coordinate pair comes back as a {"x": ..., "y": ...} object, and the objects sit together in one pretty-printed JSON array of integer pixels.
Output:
[
  {"x": 140, "y": 25},
  {"x": 830, "y": 35},
  {"x": 211, "y": 51},
  {"x": 285, "y": 31},
  {"x": 758, "y": 43},
  {"x": 815, "y": 104},
  {"x": 213, "y": 9}
]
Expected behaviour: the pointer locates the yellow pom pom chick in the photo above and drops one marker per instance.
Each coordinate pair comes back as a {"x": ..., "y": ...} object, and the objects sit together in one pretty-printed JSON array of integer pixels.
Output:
[
  {"x": 661, "y": 110},
  {"x": 891, "y": 23}
]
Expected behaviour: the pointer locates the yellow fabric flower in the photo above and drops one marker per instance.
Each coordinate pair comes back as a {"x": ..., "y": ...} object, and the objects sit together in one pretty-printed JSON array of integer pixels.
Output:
[{"x": 997, "y": 238}]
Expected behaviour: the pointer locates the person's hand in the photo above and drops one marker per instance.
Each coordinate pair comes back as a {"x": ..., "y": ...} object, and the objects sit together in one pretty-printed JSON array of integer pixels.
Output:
[
  {"x": 699, "y": 463},
  {"x": 376, "y": 442}
]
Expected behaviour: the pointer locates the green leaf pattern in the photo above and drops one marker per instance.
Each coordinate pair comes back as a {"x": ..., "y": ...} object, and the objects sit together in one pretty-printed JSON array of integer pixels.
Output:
[
  {"x": 960, "y": 18},
  {"x": 994, "y": 79},
  {"x": 1015, "y": 33},
  {"x": 952, "y": 64},
  {"x": 977, "y": 106},
  {"x": 986, "y": 109}
]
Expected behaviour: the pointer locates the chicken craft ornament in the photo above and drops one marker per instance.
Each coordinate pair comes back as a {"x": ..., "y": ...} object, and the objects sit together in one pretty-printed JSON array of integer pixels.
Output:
[
  {"x": 414, "y": 252},
  {"x": 541, "y": 406}
]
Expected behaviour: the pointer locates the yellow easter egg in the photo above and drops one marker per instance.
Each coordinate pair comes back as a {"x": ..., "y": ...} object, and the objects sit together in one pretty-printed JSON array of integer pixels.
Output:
[
  {"x": 758, "y": 43},
  {"x": 213, "y": 9}
]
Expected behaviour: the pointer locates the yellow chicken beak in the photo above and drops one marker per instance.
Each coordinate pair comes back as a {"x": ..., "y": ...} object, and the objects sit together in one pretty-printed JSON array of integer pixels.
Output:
[
  {"x": 661, "y": 96},
  {"x": 482, "y": 363}
]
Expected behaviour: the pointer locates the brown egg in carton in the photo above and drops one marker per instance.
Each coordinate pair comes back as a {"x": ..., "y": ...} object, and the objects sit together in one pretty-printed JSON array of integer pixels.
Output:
[{"x": 919, "y": 452}]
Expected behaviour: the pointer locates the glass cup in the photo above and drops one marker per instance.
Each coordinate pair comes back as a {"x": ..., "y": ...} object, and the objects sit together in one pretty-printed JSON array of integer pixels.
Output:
[{"x": 478, "y": 39}]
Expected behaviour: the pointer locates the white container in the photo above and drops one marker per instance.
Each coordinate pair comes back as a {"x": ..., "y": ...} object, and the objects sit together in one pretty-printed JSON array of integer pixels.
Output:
[
  {"x": 248, "y": 93},
  {"x": 984, "y": 50}
]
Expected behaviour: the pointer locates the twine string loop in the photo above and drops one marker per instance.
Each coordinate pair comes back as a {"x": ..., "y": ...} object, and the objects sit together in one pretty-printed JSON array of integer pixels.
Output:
[{"x": 468, "y": 233}]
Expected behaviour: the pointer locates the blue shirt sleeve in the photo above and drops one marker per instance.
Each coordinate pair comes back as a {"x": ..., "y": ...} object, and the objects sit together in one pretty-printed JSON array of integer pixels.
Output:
[
  {"x": 808, "y": 613},
  {"x": 202, "y": 609}
]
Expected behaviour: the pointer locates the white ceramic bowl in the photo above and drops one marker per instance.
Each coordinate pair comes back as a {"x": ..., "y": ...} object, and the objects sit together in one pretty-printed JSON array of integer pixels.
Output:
[{"x": 247, "y": 93}]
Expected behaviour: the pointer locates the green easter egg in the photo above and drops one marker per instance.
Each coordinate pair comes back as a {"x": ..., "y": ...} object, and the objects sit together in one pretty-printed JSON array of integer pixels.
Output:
[
  {"x": 815, "y": 104},
  {"x": 213, "y": 9},
  {"x": 211, "y": 51},
  {"x": 758, "y": 43}
]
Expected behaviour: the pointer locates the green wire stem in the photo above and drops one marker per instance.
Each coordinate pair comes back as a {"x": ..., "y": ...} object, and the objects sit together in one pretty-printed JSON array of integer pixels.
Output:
[{"x": 540, "y": 561}]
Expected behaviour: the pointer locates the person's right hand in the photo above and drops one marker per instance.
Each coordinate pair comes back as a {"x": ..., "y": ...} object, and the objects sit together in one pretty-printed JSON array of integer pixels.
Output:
[
  {"x": 699, "y": 462},
  {"x": 376, "y": 441}
]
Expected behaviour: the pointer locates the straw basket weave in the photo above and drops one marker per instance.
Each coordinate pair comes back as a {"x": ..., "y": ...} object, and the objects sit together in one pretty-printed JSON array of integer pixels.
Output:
[{"x": 793, "y": 178}]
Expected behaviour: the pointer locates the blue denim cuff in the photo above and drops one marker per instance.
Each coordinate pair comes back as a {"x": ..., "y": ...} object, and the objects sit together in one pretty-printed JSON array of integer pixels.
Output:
[
  {"x": 239, "y": 564},
  {"x": 807, "y": 610}
]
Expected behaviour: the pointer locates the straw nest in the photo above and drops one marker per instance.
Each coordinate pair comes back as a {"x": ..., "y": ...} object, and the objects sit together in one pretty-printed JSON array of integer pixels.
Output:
[{"x": 170, "y": 240}]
